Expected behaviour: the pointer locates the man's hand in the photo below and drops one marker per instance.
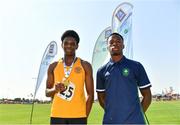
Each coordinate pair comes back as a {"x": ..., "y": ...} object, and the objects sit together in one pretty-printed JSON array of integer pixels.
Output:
[{"x": 60, "y": 87}]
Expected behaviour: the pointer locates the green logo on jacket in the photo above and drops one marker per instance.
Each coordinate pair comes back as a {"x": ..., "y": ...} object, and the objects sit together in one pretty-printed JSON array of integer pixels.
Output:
[{"x": 125, "y": 72}]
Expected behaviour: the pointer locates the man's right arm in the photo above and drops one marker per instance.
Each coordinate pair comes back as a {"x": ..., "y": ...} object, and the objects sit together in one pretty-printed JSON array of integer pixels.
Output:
[
  {"x": 100, "y": 88},
  {"x": 101, "y": 98},
  {"x": 50, "y": 88}
]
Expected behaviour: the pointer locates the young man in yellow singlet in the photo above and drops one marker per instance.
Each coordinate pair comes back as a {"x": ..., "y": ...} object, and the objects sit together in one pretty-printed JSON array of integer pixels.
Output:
[{"x": 65, "y": 84}]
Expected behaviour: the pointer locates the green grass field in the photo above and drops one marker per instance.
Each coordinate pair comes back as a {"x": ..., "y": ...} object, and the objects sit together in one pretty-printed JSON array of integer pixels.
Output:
[{"x": 163, "y": 112}]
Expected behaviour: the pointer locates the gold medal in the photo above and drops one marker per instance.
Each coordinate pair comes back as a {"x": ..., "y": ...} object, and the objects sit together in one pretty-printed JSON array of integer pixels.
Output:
[{"x": 66, "y": 82}]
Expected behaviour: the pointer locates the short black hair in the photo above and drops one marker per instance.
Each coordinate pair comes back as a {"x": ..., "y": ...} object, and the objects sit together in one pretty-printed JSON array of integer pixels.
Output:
[
  {"x": 117, "y": 34},
  {"x": 70, "y": 33}
]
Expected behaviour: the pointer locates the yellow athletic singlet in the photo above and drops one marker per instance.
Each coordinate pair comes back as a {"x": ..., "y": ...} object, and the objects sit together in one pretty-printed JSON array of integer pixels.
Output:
[{"x": 71, "y": 103}]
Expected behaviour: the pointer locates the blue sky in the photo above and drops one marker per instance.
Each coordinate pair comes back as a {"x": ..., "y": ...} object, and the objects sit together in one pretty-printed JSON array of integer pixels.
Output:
[{"x": 27, "y": 27}]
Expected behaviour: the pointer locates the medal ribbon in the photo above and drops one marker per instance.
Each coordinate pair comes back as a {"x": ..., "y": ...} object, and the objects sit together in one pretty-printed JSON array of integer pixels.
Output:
[{"x": 67, "y": 69}]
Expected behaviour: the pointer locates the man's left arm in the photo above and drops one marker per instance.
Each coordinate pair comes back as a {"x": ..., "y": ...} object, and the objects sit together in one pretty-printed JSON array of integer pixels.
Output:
[
  {"x": 89, "y": 86},
  {"x": 147, "y": 97}
]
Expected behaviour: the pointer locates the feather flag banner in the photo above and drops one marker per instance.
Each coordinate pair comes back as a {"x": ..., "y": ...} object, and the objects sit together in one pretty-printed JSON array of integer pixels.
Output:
[
  {"x": 48, "y": 56},
  {"x": 100, "y": 52},
  {"x": 122, "y": 24}
]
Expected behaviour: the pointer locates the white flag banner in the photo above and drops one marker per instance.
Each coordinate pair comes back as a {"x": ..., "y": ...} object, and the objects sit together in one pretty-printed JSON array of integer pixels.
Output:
[
  {"x": 47, "y": 58},
  {"x": 122, "y": 24},
  {"x": 100, "y": 51}
]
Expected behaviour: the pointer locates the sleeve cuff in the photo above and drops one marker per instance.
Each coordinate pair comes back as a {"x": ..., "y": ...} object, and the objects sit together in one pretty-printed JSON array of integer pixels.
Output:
[
  {"x": 145, "y": 86},
  {"x": 100, "y": 90}
]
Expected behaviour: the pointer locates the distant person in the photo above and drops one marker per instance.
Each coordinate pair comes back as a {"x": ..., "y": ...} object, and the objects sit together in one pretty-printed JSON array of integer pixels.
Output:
[
  {"x": 65, "y": 84},
  {"x": 117, "y": 86}
]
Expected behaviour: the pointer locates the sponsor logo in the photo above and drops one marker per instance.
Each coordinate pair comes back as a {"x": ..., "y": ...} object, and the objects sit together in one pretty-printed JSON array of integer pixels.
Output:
[
  {"x": 107, "y": 33},
  {"x": 120, "y": 15}
]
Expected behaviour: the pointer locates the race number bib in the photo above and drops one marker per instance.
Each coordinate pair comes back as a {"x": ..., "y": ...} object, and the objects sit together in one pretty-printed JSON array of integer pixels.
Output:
[{"x": 68, "y": 93}]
